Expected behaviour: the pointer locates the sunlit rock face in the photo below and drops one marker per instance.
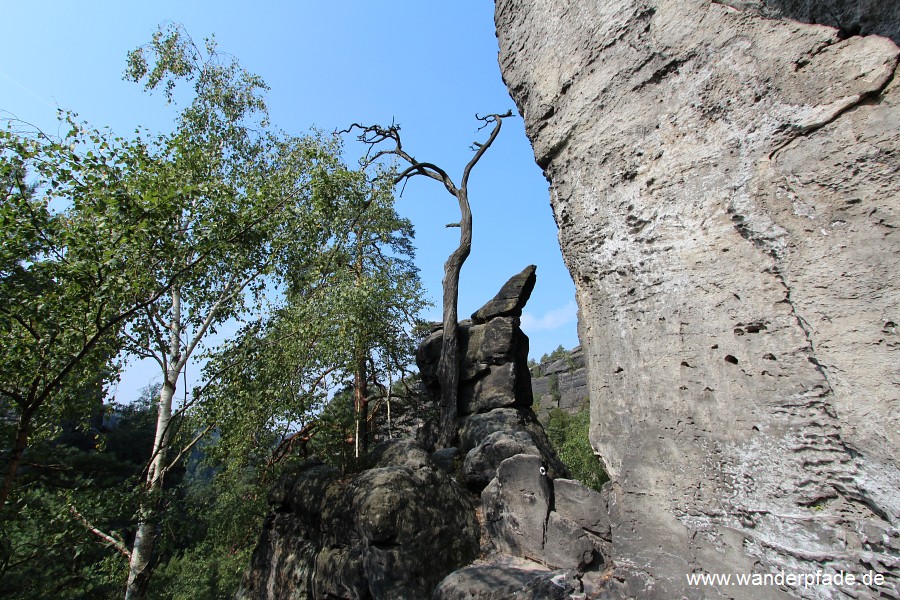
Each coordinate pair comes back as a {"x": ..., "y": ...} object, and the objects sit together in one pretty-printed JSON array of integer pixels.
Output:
[{"x": 725, "y": 182}]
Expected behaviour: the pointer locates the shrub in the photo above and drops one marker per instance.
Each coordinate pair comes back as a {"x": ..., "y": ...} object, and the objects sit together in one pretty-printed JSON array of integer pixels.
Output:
[{"x": 569, "y": 436}]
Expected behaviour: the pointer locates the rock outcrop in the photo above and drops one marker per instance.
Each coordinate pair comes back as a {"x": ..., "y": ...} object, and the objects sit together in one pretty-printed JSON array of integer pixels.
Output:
[
  {"x": 393, "y": 531},
  {"x": 726, "y": 190},
  {"x": 523, "y": 519},
  {"x": 496, "y": 420},
  {"x": 561, "y": 383},
  {"x": 403, "y": 527},
  {"x": 555, "y": 528}
]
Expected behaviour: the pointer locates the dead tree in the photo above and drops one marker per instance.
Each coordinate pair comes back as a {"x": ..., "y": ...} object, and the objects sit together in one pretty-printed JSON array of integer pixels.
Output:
[{"x": 377, "y": 137}]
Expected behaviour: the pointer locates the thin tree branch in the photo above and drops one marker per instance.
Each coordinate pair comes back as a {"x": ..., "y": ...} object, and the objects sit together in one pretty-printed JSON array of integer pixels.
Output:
[
  {"x": 115, "y": 543},
  {"x": 187, "y": 447},
  {"x": 497, "y": 120}
]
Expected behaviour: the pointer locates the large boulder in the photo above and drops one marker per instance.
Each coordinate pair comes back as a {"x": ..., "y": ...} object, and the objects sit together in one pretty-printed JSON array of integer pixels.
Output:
[
  {"x": 509, "y": 580},
  {"x": 392, "y": 531},
  {"x": 499, "y": 386},
  {"x": 520, "y": 520},
  {"x": 482, "y": 461},
  {"x": 476, "y": 429}
]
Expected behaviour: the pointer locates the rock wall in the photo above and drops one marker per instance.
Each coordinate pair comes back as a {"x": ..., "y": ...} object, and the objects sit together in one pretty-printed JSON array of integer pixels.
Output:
[
  {"x": 726, "y": 190},
  {"x": 561, "y": 383}
]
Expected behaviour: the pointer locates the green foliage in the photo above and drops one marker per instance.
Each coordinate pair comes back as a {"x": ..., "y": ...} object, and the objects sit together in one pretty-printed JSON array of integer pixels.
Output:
[
  {"x": 84, "y": 477},
  {"x": 114, "y": 248},
  {"x": 352, "y": 293},
  {"x": 569, "y": 436},
  {"x": 223, "y": 516},
  {"x": 553, "y": 385},
  {"x": 560, "y": 352},
  {"x": 71, "y": 274}
]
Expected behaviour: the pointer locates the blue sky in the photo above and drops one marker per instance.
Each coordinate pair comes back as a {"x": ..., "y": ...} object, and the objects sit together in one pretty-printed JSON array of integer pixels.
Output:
[{"x": 428, "y": 65}]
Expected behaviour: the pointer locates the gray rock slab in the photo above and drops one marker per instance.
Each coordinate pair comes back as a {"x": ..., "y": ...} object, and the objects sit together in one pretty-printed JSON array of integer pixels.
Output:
[
  {"x": 581, "y": 504},
  {"x": 516, "y": 504},
  {"x": 511, "y": 298}
]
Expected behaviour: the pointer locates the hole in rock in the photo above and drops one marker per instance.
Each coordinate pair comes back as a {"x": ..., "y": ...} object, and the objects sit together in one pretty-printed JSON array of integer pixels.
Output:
[{"x": 731, "y": 359}]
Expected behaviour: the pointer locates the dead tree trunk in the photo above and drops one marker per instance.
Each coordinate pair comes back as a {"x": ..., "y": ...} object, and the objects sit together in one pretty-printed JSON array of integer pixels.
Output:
[{"x": 448, "y": 364}]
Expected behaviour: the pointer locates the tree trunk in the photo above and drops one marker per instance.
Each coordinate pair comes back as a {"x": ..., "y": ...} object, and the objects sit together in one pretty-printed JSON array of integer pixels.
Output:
[
  {"x": 361, "y": 402},
  {"x": 142, "y": 553},
  {"x": 448, "y": 364},
  {"x": 23, "y": 430}
]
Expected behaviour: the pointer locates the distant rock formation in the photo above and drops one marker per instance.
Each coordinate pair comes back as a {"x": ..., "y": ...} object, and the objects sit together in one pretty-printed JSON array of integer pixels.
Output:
[
  {"x": 726, "y": 189},
  {"x": 560, "y": 383}
]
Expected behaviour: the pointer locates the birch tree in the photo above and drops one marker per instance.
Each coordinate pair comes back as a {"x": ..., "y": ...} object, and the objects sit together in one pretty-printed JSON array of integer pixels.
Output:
[
  {"x": 235, "y": 197},
  {"x": 75, "y": 260}
]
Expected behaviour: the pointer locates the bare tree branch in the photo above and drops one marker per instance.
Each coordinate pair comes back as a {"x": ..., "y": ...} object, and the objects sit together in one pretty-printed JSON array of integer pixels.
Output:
[
  {"x": 115, "y": 543},
  {"x": 448, "y": 365}
]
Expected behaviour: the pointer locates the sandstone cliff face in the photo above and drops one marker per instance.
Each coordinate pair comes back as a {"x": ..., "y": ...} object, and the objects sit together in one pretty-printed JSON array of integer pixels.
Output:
[{"x": 726, "y": 189}]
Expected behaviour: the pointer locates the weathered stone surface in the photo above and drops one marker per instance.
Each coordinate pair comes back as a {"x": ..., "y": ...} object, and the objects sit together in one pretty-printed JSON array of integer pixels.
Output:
[
  {"x": 500, "y": 386},
  {"x": 850, "y": 17},
  {"x": 445, "y": 458},
  {"x": 520, "y": 521},
  {"x": 516, "y": 504},
  {"x": 370, "y": 537},
  {"x": 506, "y": 580},
  {"x": 726, "y": 191},
  {"x": 474, "y": 429},
  {"x": 491, "y": 343},
  {"x": 482, "y": 461},
  {"x": 511, "y": 298},
  {"x": 581, "y": 504},
  {"x": 566, "y": 545},
  {"x": 427, "y": 356}
]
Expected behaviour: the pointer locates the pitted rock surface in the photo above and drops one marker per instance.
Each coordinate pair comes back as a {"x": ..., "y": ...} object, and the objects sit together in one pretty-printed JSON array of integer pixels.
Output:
[{"x": 726, "y": 190}]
